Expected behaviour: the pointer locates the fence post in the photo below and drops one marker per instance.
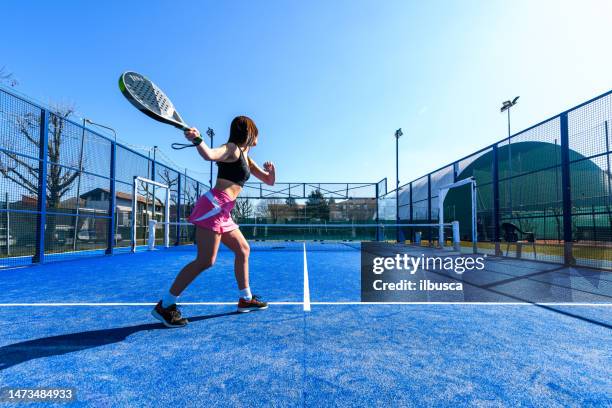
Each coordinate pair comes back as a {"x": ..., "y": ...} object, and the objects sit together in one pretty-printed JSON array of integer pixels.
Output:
[
  {"x": 566, "y": 192},
  {"x": 429, "y": 217},
  {"x": 178, "y": 210},
  {"x": 377, "y": 215},
  {"x": 411, "y": 205},
  {"x": 8, "y": 223},
  {"x": 112, "y": 201},
  {"x": 607, "y": 134},
  {"x": 411, "y": 215},
  {"x": 397, "y": 217},
  {"x": 496, "y": 237},
  {"x": 43, "y": 145}
]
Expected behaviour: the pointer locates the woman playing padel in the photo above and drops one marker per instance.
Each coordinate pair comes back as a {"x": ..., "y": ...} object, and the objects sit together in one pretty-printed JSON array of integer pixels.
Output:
[{"x": 212, "y": 218}]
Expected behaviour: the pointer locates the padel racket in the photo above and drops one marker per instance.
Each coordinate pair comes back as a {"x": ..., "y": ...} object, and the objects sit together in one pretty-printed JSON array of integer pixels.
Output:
[{"x": 152, "y": 101}]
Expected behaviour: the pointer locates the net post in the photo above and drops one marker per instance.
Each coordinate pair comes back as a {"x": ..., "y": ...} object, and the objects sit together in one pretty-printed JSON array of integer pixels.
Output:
[
  {"x": 167, "y": 219},
  {"x": 456, "y": 241},
  {"x": 151, "y": 238},
  {"x": 134, "y": 209},
  {"x": 112, "y": 202},
  {"x": 179, "y": 203}
]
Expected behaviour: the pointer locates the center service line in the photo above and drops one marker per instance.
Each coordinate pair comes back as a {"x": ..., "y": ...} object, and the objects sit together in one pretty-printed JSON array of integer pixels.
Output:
[{"x": 306, "y": 286}]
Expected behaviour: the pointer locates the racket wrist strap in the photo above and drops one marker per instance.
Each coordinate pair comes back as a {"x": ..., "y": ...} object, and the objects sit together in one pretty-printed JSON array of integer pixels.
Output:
[{"x": 197, "y": 141}]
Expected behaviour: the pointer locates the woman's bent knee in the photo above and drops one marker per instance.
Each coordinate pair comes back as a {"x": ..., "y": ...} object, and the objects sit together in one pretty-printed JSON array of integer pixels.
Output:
[
  {"x": 243, "y": 252},
  {"x": 203, "y": 264}
]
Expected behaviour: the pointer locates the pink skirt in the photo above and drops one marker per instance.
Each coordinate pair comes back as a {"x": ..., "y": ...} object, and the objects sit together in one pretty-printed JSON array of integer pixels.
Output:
[{"x": 213, "y": 211}]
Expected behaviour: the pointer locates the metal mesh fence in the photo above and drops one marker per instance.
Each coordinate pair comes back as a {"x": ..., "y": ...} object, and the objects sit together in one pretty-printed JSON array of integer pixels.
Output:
[
  {"x": 545, "y": 193},
  {"x": 66, "y": 191}
]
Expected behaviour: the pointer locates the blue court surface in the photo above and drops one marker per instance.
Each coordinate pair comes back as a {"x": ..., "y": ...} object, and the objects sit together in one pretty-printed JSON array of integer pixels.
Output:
[{"x": 86, "y": 324}]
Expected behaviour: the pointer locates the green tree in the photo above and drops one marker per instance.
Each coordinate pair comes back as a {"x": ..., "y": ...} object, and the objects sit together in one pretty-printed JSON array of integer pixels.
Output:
[{"x": 317, "y": 207}]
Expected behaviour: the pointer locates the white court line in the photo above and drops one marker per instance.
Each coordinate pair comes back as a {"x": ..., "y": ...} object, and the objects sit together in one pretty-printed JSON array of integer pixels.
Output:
[
  {"x": 306, "y": 285},
  {"x": 92, "y": 304},
  {"x": 136, "y": 304},
  {"x": 459, "y": 303}
]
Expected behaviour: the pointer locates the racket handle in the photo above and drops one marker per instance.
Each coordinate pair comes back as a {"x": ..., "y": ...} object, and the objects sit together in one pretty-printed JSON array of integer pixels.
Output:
[{"x": 179, "y": 146}]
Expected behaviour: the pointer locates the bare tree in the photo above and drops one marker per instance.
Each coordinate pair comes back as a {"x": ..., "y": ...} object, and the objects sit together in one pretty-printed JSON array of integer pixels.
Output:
[
  {"x": 276, "y": 209},
  {"x": 26, "y": 173},
  {"x": 191, "y": 195},
  {"x": 261, "y": 209},
  {"x": 243, "y": 208},
  {"x": 170, "y": 178},
  {"x": 270, "y": 209}
]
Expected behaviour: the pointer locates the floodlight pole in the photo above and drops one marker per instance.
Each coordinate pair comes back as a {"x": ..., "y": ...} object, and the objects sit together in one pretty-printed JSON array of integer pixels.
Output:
[
  {"x": 211, "y": 133},
  {"x": 102, "y": 126},
  {"x": 509, "y": 133},
  {"x": 398, "y": 134}
]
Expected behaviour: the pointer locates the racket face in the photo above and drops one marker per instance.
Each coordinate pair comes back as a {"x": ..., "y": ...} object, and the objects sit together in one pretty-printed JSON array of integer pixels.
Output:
[{"x": 149, "y": 99}]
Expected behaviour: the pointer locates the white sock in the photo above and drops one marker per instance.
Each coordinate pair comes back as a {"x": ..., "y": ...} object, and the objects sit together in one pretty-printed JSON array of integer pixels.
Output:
[
  {"x": 168, "y": 300},
  {"x": 246, "y": 294}
]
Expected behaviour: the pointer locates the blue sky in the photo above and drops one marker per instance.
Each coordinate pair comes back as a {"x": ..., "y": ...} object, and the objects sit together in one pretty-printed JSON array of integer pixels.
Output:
[{"x": 327, "y": 82}]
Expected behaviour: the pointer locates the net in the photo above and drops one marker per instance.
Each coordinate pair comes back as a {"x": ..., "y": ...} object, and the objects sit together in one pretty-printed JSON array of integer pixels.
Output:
[{"x": 319, "y": 237}]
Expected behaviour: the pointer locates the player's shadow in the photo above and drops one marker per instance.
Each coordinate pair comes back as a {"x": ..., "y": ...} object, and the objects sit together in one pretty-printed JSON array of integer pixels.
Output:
[{"x": 18, "y": 353}]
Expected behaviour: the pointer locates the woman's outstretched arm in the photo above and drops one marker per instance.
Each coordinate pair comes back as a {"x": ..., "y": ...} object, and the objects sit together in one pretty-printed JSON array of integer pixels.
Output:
[{"x": 220, "y": 153}]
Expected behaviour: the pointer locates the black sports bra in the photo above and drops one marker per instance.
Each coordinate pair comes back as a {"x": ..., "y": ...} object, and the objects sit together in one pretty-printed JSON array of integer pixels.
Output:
[{"x": 237, "y": 171}]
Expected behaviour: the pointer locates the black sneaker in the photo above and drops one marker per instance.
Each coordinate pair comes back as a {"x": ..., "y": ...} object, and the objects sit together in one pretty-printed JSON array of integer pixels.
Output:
[
  {"x": 170, "y": 316},
  {"x": 256, "y": 303}
]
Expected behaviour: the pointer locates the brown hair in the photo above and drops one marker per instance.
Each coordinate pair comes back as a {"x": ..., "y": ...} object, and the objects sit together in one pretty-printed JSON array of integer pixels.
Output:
[{"x": 242, "y": 131}]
